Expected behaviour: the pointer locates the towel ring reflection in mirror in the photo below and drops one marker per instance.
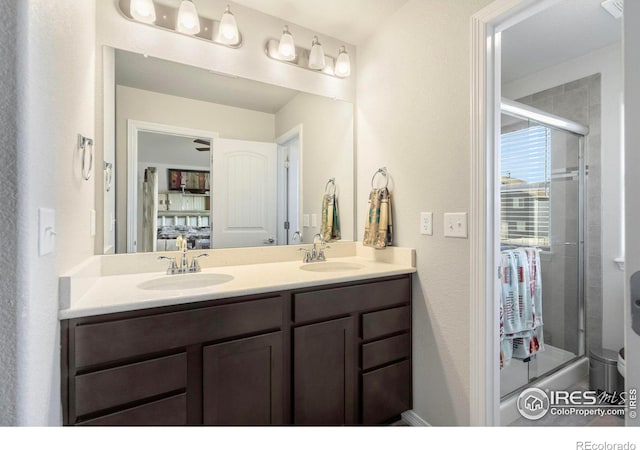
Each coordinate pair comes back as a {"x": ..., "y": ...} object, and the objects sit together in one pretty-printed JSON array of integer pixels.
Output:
[
  {"x": 86, "y": 144},
  {"x": 327, "y": 188},
  {"x": 108, "y": 175},
  {"x": 383, "y": 172}
]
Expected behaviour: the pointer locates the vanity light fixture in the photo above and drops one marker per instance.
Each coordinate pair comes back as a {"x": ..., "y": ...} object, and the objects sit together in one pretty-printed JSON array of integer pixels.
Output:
[
  {"x": 228, "y": 30},
  {"x": 313, "y": 59},
  {"x": 287, "y": 46},
  {"x": 143, "y": 10},
  {"x": 185, "y": 19},
  {"x": 188, "y": 19},
  {"x": 317, "y": 60},
  {"x": 343, "y": 64}
]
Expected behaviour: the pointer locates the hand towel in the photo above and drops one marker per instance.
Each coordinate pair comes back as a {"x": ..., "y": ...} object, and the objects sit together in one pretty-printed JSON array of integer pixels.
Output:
[
  {"x": 330, "y": 229},
  {"x": 378, "y": 230}
]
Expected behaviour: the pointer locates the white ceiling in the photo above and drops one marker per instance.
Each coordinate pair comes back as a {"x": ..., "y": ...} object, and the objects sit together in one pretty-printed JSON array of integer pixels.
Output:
[
  {"x": 157, "y": 75},
  {"x": 351, "y": 21},
  {"x": 168, "y": 149},
  {"x": 567, "y": 30}
]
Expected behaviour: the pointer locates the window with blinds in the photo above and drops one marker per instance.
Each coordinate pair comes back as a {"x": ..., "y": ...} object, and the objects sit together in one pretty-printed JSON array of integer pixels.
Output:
[{"x": 525, "y": 182}]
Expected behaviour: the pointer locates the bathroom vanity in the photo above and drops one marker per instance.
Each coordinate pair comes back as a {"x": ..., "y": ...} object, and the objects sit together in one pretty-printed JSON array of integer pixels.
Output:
[{"x": 323, "y": 352}]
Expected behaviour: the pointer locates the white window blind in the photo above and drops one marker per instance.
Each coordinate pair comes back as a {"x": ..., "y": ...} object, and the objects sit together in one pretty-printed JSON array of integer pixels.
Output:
[{"x": 524, "y": 194}]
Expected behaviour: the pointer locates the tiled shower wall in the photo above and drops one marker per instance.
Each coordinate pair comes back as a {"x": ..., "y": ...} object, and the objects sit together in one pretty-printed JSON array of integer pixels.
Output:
[{"x": 579, "y": 101}]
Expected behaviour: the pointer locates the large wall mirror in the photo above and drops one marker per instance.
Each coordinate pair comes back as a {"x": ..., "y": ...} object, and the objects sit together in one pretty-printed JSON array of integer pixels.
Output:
[{"x": 223, "y": 161}]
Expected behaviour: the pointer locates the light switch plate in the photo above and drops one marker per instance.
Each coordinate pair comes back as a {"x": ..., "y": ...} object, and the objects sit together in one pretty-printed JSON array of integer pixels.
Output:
[
  {"x": 314, "y": 220},
  {"x": 426, "y": 223},
  {"x": 455, "y": 225},
  {"x": 305, "y": 220},
  {"x": 46, "y": 231}
]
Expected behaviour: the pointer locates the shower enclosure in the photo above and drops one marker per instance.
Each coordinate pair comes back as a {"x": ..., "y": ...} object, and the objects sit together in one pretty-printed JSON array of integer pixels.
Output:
[{"x": 542, "y": 185}]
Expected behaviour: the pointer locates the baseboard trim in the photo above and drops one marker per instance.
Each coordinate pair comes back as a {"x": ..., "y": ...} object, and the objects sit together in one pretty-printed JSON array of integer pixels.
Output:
[{"x": 414, "y": 420}]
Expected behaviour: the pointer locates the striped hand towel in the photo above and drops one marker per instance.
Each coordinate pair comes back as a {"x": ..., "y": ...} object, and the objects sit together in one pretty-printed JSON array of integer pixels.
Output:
[
  {"x": 330, "y": 229},
  {"x": 378, "y": 229}
]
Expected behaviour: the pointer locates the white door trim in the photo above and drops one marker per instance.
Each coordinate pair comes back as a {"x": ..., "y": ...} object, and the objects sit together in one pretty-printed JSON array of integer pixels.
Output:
[
  {"x": 133, "y": 128},
  {"x": 486, "y": 26},
  {"x": 296, "y": 131}
]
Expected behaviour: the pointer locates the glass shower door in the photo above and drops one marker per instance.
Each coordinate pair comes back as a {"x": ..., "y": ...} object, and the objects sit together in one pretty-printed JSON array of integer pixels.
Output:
[{"x": 541, "y": 198}]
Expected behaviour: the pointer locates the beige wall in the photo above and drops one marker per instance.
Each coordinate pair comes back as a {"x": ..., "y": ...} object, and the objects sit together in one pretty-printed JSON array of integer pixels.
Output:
[
  {"x": 146, "y": 106},
  {"x": 413, "y": 117},
  {"x": 327, "y": 152},
  {"x": 56, "y": 42}
]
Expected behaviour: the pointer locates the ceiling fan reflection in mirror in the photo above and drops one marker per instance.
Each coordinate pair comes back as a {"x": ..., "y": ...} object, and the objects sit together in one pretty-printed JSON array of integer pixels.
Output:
[{"x": 205, "y": 143}]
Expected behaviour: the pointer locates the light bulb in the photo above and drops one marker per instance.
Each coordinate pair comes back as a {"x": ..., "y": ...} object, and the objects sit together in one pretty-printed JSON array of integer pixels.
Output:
[
  {"x": 343, "y": 64},
  {"x": 143, "y": 10},
  {"x": 316, "y": 57},
  {"x": 188, "y": 20},
  {"x": 228, "y": 31},
  {"x": 287, "y": 47}
]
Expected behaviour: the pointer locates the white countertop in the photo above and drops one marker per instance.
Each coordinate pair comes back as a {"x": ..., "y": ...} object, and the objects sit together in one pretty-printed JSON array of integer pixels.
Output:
[{"x": 120, "y": 292}]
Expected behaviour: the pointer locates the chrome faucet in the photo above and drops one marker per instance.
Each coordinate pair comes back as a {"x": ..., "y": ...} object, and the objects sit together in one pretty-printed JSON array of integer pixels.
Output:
[
  {"x": 184, "y": 266},
  {"x": 317, "y": 251}
]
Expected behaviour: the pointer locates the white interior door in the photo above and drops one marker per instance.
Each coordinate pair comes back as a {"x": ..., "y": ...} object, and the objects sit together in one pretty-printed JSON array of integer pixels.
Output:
[
  {"x": 244, "y": 178},
  {"x": 632, "y": 201}
]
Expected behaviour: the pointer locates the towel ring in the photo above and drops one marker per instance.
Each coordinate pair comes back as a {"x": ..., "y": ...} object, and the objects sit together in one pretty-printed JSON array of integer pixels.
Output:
[
  {"x": 84, "y": 144},
  {"x": 383, "y": 171},
  {"x": 327, "y": 187}
]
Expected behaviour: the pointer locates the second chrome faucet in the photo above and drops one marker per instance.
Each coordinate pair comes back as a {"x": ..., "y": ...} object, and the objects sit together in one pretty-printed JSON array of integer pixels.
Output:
[
  {"x": 317, "y": 251},
  {"x": 184, "y": 266}
]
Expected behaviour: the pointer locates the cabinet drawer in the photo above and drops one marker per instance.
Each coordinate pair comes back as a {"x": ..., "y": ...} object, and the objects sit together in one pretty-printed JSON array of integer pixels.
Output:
[
  {"x": 385, "y": 322},
  {"x": 386, "y": 393},
  {"x": 108, "y": 388},
  {"x": 165, "y": 412},
  {"x": 103, "y": 342},
  {"x": 384, "y": 351},
  {"x": 344, "y": 300}
]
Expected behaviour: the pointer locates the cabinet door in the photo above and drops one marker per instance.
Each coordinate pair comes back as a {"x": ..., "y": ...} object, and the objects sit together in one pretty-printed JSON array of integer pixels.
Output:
[
  {"x": 386, "y": 393},
  {"x": 243, "y": 382},
  {"x": 324, "y": 374}
]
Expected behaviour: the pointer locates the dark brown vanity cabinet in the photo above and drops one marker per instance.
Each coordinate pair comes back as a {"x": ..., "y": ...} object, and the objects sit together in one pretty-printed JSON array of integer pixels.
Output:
[
  {"x": 330, "y": 355},
  {"x": 324, "y": 373},
  {"x": 243, "y": 382}
]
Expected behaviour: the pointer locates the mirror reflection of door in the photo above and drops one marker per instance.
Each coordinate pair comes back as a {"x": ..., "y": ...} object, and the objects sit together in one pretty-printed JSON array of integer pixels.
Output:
[{"x": 244, "y": 193}]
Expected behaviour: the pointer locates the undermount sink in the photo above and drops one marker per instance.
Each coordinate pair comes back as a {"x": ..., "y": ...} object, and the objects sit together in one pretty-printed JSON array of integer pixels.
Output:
[
  {"x": 331, "y": 266},
  {"x": 185, "y": 281}
]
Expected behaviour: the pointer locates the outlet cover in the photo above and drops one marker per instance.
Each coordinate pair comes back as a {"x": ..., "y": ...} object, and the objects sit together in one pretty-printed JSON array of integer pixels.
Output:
[
  {"x": 426, "y": 223},
  {"x": 455, "y": 225}
]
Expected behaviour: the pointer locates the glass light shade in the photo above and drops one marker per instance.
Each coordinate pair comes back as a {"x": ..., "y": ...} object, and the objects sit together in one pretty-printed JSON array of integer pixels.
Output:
[
  {"x": 343, "y": 64},
  {"x": 228, "y": 30},
  {"x": 188, "y": 20},
  {"x": 316, "y": 57},
  {"x": 287, "y": 47},
  {"x": 143, "y": 10}
]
